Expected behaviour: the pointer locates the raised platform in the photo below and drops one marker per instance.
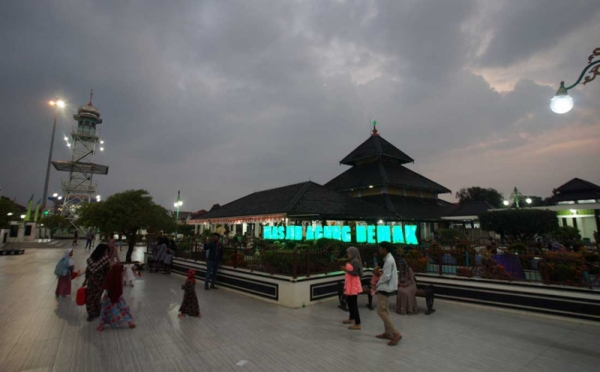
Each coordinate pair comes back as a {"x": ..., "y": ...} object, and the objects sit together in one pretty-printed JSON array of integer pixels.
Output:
[
  {"x": 304, "y": 291},
  {"x": 11, "y": 252},
  {"x": 555, "y": 300}
]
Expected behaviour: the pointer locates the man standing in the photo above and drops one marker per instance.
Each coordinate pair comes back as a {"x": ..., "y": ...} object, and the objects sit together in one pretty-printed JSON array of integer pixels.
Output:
[
  {"x": 214, "y": 255},
  {"x": 386, "y": 287},
  {"x": 89, "y": 237}
]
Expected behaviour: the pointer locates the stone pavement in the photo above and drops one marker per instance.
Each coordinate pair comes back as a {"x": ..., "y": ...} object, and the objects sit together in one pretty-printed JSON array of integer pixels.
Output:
[{"x": 238, "y": 333}]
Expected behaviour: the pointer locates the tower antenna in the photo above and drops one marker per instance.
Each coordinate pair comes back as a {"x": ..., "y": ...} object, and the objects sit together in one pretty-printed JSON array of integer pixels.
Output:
[{"x": 91, "y": 96}]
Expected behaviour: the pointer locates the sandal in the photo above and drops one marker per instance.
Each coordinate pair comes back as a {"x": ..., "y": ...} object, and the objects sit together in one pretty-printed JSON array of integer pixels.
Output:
[
  {"x": 355, "y": 327},
  {"x": 131, "y": 325},
  {"x": 348, "y": 321}
]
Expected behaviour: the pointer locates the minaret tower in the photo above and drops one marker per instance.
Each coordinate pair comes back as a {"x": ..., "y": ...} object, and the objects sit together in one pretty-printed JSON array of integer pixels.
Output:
[{"x": 80, "y": 186}]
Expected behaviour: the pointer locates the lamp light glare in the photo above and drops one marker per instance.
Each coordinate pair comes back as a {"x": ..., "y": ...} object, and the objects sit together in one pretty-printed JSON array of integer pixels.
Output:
[
  {"x": 101, "y": 148},
  {"x": 561, "y": 104},
  {"x": 102, "y": 142},
  {"x": 60, "y": 103},
  {"x": 60, "y": 198},
  {"x": 55, "y": 194},
  {"x": 506, "y": 203},
  {"x": 370, "y": 186},
  {"x": 22, "y": 216},
  {"x": 9, "y": 214},
  {"x": 528, "y": 200},
  {"x": 180, "y": 203}
]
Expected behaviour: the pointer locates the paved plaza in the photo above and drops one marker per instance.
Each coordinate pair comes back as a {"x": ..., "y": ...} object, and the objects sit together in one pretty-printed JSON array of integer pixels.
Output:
[{"x": 238, "y": 333}]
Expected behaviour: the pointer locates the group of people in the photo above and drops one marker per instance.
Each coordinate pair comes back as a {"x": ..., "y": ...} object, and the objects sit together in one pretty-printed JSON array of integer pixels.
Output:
[
  {"x": 105, "y": 278},
  {"x": 389, "y": 280},
  {"x": 163, "y": 255}
]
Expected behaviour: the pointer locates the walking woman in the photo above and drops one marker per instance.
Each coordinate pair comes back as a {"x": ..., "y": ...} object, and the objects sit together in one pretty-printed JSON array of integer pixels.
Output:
[
  {"x": 115, "y": 311},
  {"x": 65, "y": 266},
  {"x": 353, "y": 286},
  {"x": 98, "y": 266}
]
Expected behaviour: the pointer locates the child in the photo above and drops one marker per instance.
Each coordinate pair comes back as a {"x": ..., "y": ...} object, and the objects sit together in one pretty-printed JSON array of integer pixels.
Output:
[
  {"x": 168, "y": 261},
  {"x": 63, "y": 271},
  {"x": 190, "y": 304},
  {"x": 128, "y": 276},
  {"x": 115, "y": 311}
]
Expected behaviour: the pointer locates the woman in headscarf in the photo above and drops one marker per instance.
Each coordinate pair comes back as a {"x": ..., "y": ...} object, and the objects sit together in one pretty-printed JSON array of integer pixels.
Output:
[
  {"x": 98, "y": 266},
  {"x": 160, "y": 253},
  {"x": 115, "y": 311},
  {"x": 190, "y": 305},
  {"x": 63, "y": 288},
  {"x": 406, "y": 301},
  {"x": 112, "y": 253},
  {"x": 353, "y": 286}
]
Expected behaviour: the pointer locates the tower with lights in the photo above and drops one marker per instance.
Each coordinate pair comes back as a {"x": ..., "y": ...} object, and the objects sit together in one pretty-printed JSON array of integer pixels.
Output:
[{"x": 85, "y": 141}]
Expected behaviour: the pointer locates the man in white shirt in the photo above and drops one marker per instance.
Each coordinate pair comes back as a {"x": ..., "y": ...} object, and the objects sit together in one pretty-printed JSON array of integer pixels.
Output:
[{"x": 386, "y": 287}]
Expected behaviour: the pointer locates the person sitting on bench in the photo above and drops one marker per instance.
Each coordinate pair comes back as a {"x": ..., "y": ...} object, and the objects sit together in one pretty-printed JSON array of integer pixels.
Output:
[{"x": 406, "y": 300}]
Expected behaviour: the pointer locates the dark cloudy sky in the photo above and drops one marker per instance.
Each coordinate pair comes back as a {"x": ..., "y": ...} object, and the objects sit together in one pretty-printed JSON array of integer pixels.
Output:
[{"x": 223, "y": 98}]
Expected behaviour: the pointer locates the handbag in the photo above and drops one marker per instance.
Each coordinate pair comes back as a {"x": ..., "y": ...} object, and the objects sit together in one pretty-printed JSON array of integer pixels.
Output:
[{"x": 81, "y": 297}]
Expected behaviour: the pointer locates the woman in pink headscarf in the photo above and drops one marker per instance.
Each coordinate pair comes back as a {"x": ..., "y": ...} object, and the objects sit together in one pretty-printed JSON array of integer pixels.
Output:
[{"x": 112, "y": 253}]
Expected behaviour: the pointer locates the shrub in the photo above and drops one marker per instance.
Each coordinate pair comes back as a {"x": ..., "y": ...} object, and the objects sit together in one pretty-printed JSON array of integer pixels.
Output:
[
  {"x": 518, "y": 248},
  {"x": 519, "y": 225},
  {"x": 464, "y": 271},
  {"x": 563, "y": 268}
]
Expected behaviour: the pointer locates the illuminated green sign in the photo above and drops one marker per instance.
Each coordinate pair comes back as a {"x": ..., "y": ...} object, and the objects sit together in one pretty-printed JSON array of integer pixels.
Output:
[{"x": 406, "y": 234}]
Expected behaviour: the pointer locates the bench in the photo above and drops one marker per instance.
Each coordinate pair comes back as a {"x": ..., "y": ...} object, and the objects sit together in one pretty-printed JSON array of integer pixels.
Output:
[{"x": 428, "y": 292}]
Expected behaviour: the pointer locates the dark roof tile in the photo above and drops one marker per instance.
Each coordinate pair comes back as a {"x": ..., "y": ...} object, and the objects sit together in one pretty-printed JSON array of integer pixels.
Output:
[
  {"x": 376, "y": 146},
  {"x": 301, "y": 199},
  {"x": 381, "y": 173},
  {"x": 411, "y": 207}
]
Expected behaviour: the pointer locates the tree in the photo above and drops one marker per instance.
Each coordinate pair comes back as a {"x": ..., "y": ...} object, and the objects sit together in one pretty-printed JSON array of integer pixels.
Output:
[
  {"x": 519, "y": 225},
  {"x": 54, "y": 223},
  {"x": 126, "y": 213},
  {"x": 6, "y": 207},
  {"x": 477, "y": 193}
]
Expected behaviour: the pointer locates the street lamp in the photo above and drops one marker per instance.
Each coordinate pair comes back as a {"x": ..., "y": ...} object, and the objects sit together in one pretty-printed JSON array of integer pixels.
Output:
[
  {"x": 56, "y": 104},
  {"x": 516, "y": 197},
  {"x": 562, "y": 101},
  {"x": 178, "y": 203}
]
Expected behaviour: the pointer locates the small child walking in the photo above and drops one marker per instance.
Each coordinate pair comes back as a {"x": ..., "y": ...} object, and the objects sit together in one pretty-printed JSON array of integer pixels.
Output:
[
  {"x": 190, "y": 305},
  {"x": 128, "y": 274},
  {"x": 115, "y": 311}
]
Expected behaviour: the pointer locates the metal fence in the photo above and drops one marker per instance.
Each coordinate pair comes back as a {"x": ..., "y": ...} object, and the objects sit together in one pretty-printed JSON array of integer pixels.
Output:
[{"x": 463, "y": 259}]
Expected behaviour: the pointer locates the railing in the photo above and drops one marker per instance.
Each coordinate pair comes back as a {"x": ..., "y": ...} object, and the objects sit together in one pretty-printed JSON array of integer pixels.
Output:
[
  {"x": 462, "y": 259},
  {"x": 532, "y": 265}
]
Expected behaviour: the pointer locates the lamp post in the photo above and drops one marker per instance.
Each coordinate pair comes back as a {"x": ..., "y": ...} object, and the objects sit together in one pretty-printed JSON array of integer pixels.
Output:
[
  {"x": 56, "y": 104},
  {"x": 178, "y": 203},
  {"x": 516, "y": 197},
  {"x": 562, "y": 101}
]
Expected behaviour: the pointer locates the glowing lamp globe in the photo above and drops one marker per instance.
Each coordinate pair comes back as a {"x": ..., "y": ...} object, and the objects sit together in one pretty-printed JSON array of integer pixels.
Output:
[
  {"x": 561, "y": 104},
  {"x": 506, "y": 202}
]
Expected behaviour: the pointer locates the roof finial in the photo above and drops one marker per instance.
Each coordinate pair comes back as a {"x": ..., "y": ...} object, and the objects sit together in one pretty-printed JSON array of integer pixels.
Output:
[
  {"x": 374, "y": 128},
  {"x": 91, "y": 96}
]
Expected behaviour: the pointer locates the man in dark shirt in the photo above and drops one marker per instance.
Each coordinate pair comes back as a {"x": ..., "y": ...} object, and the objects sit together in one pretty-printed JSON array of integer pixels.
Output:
[{"x": 214, "y": 255}]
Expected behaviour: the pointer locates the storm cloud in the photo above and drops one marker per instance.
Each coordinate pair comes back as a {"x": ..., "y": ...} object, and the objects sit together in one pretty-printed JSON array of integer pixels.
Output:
[{"x": 222, "y": 98}]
